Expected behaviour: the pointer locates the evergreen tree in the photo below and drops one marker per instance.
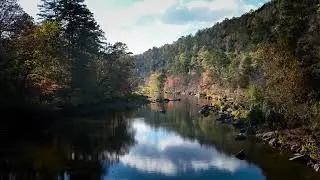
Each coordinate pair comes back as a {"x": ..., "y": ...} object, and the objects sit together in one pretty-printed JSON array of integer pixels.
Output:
[
  {"x": 48, "y": 9},
  {"x": 83, "y": 38}
]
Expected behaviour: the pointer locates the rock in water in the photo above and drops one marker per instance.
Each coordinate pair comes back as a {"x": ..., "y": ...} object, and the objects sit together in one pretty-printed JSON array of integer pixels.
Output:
[
  {"x": 316, "y": 167},
  {"x": 240, "y": 155},
  {"x": 243, "y": 131},
  {"x": 300, "y": 157},
  {"x": 240, "y": 137},
  {"x": 251, "y": 130},
  {"x": 239, "y": 124},
  {"x": 273, "y": 142},
  {"x": 268, "y": 135}
]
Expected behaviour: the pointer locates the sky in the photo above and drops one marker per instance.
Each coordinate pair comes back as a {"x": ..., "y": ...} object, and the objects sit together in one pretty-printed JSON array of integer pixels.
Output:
[{"x": 143, "y": 24}]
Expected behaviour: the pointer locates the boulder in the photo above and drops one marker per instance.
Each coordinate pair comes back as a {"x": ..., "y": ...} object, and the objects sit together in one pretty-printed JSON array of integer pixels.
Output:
[
  {"x": 269, "y": 135},
  {"x": 259, "y": 135},
  {"x": 302, "y": 158},
  {"x": 316, "y": 167},
  {"x": 294, "y": 148},
  {"x": 225, "y": 118},
  {"x": 267, "y": 139},
  {"x": 273, "y": 142}
]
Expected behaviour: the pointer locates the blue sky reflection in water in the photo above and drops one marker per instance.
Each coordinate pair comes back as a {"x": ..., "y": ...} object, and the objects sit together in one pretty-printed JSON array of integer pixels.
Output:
[{"x": 159, "y": 154}]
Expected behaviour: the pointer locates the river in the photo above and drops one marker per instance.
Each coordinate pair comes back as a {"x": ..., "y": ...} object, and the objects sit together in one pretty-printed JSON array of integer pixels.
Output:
[{"x": 157, "y": 141}]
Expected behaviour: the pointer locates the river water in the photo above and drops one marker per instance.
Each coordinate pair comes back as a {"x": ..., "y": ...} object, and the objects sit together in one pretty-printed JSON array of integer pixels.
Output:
[{"x": 157, "y": 141}]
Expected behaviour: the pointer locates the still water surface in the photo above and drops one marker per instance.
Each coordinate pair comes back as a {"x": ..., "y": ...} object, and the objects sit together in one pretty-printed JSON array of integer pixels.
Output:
[{"x": 157, "y": 141}]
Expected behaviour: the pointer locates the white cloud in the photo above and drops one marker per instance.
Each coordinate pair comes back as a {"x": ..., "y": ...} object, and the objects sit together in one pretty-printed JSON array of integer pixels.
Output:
[
  {"x": 214, "y": 5},
  {"x": 30, "y": 6},
  {"x": 121, "y": 23},
  {"x": 141, "y": 38}
]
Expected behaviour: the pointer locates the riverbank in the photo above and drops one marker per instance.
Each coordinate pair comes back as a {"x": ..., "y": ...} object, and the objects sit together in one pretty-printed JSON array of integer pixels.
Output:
[
  {"x": 301, "y": 142},
  {"x": 51, "y": 111},
  {"x": 115, "y": 104}
]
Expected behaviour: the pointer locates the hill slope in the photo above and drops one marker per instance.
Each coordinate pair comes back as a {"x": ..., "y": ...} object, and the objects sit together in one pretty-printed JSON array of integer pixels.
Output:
[{"x": 270, "y": 57}]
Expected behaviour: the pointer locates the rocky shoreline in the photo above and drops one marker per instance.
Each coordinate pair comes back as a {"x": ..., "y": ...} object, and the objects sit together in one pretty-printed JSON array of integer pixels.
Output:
[{"x": 304, "y": 147}]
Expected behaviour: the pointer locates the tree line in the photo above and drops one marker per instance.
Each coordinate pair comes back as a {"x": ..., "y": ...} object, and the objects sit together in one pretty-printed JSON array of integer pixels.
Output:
[
  {"x": 64, "y": 59},
  {"x": 269, "y": 56}
]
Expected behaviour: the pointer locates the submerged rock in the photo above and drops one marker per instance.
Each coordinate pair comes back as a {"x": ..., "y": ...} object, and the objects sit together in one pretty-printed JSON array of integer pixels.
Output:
[
  {"x": 240, "y": 155},
  {"x": 239, "y": 124},
  {"x": 251, "y": 130},
  {"x": 243, "y": 130},
  {"x": 240, "y": 137}
]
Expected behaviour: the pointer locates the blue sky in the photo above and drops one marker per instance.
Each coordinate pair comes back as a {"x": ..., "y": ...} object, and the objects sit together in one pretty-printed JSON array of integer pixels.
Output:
[{"x": 142, "y": 24}]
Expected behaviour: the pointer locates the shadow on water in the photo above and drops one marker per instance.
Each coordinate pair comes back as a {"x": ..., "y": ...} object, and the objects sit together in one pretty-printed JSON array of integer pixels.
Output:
[
  {"x": 158, "y": 141},
  {"x": 78, "y": 148}
]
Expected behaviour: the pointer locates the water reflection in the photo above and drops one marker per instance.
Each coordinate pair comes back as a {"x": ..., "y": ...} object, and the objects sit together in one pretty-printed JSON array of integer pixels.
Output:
[
  {"x": 164, "y": 154},
  {"x": 178, "y": 144},
  {"x": 181, "y": 144},
  {"x": 64, "y": 149}
]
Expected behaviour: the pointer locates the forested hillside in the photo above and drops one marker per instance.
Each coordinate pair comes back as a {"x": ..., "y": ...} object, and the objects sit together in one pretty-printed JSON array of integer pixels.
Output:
[
  {"x": 268, "y": 58},
  {"x": 63, "y": 60}
]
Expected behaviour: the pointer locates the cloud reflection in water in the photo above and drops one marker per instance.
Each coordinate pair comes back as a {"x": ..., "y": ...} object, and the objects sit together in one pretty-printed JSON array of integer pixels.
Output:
[{"x": 163, "y": 152}]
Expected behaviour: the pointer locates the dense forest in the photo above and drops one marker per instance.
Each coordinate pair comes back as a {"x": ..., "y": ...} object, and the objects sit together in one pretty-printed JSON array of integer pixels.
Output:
[
  {"x": 268, "y": 58},
  {"x": 62, "y": 60}
]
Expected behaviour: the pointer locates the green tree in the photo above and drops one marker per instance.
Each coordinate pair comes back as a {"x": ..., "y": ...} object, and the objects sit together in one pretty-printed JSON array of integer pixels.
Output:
[
  {"x": 115, "y": 71},
  {"x": 48, "y": 9},
  {"x": 292, "y": 19},
  {"x": 83, "y": 38},
  {"x": 14, "y": 25},
  {"x": 285, "y": 87}
]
